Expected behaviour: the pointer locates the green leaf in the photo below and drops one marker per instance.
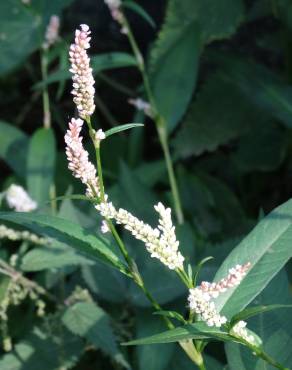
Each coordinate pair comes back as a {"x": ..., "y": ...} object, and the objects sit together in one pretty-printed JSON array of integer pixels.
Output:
[
  {"x": 17, "y": 22},
  {"x": 268, "y": 248},
  {"x": 261, "y": 86},
  {"x": 99, "y": 63},
  {"x": 192, "y": 331},
  {"x": 52, "y": 257},
  {"x": 139, "y": 10},
  {"x": 151, "y": 357},
  {"x": 171, "y": 315},
  {"x": 262, "y": 149},
  {"x": 121, "y": 128},
  {"x": 218, "y": 115},
  {"x": 67, "y": 232},
  {"x": 274, "y": 328},
  {"x": 91, "y": 322},
  {"x": 174, "y": 61},
  {"x": 41, "y": 165},
  {"x": 41, "y": 351},
  {"x": 13, "y": 147},
  {"x": 256, "y": 310},
  {"x": 106, "y": 282}
]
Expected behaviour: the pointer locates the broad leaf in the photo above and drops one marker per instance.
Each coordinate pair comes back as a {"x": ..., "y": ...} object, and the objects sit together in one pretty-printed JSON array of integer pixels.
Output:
[
  {"x": 69, "y": 233},
  {"x": 268, "y": 248},
  {"x": 52, "y": 257},
  {"x": 274, "y": 328},
  {"x": 41, "y": 351},
  {"x": 13, "y": 147},
  {"x": 87, "y": 320},
  {"x": 41, "y": 165},
  {"x": 219, "y": 114}
]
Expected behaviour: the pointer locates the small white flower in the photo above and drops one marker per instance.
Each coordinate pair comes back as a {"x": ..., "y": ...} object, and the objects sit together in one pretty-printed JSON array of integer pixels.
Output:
[
  {"x": 52, "y": 32},
  {"x": 160, "y": 242},
  {"x": 104, "y": 227},
  {"x": 205, "y": 309},
  {"x": 142, "y": 105},
  {"x": 18, "y": 199},
  {"x": 239, "y": 330},
  {"x": 100, "y": 135}
]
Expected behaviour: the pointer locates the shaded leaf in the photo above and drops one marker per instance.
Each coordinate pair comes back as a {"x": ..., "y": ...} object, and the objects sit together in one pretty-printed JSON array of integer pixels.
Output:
[
  {"x": 121, "y": 128},
  {"x": 67, "y": 232}
]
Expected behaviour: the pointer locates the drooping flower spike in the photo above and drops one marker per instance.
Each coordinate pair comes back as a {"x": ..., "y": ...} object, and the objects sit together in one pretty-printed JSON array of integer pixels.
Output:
[
  {"x": 160, "y": 242},
  {"x": 52, "y": 32}
]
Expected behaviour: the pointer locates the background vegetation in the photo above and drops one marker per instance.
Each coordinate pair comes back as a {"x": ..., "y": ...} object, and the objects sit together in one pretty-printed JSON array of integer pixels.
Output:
[{"x": 221, "y": 72}]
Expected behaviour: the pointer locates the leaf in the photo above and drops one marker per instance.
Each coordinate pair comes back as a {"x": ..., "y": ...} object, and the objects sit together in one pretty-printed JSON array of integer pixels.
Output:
[
  {"x": 261, "y": 86},
  {"x": 268, "y": 248},
  {"x": 171, "y": 314},
  {"x": 41, "y": 165},
  {"x": 52, "y": 257},
  {"x": 256, "y": 310},
  {"x": 67, "y": 232},
  {"x": 39, "y": 351},
  {"x": 218, "y": 115},
  {"x": 274, "y": 328},
  {"x": 17, "y": 22},
  {"x": 262, "y": 149},
  {"x": 139, "y": 10},
  {"x": 106, "y": 282},
  {"x": 87, "y": 320},
  {"x": 192, "y": 331},
  {"x": 174, "y": 61},
  {"x": 151, "y": 357},
  {"x": 121, "y": 128},
  {"x": 13, "y": 147},
  {"x": 182, "y": 362},
  {"x": 99, "y": 63}
]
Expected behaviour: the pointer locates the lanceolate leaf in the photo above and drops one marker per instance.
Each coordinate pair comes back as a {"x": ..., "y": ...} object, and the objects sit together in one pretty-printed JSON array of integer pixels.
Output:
[
  {"x": 256, "y": 310},
  {"x": 69, "y": 233},
  {"x": 139, "y": 10},
  {"x": 268, "y": 248},
  {"x": 120, "y": 128},
  {"x": 193, "y": 331}
]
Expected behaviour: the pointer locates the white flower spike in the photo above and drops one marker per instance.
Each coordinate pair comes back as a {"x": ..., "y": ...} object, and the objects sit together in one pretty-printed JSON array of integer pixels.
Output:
[{"x": 18, "y": 199}]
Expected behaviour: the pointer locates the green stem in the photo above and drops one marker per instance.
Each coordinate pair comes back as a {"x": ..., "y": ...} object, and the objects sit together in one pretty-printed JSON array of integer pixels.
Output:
[
  {"x": 260, "y": 353},
  {"x": 45, "y": 94},
  {"x": 159, "y": 122},
  {"x": 130, "y": 262}
]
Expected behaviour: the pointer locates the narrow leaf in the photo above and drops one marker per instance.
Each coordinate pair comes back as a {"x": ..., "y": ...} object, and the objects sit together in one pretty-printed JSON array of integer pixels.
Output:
[
  {"x": 253, "y": 311},
  {"x": 139, "y": 10},
  {"x": 120, "y": 128},
  {"x": 67, "y": 232}
]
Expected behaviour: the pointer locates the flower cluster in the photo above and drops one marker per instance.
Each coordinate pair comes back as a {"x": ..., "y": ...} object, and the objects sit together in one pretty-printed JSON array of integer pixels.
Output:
[
  {"x": 11, "y": 234},
  {"x": 83, "y": 81},
  {"x": 78, "y": 160},
  {"x": 18, "y": 199},
  {"x": 239, "y": 330},
  {"x": 160, "y": 242},
  {"x": 202, "y": 305},
  {"x": 235, "y": 275},
  {"x": 52, "y": 32},
  {"x": 200, "y": 298}
]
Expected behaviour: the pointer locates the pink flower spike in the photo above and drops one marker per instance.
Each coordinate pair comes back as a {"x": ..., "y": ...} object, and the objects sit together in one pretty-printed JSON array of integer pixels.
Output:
[
  {"x": 83, "y": 81},
  {"x": 235, "y": 276}
]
